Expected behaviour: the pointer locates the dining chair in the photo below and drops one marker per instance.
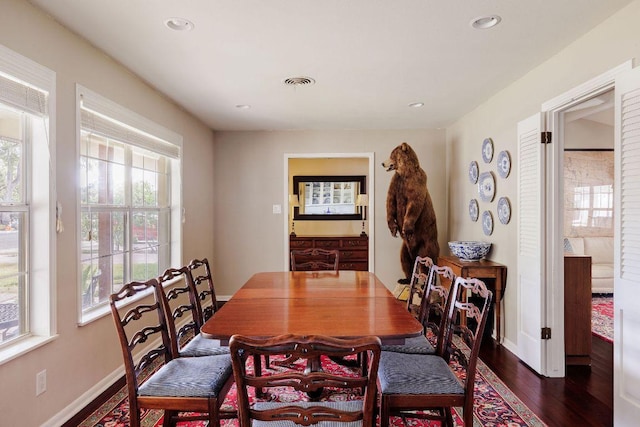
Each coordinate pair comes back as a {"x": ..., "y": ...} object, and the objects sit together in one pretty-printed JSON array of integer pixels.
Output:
[
  {"x": 419, "y": 382},
  {"x": 202, "y": 279},
  {"x": 314, "y": 381},
  {"x": 314, "y": 259},
  {"x": 184, "y": 317},
  {"x": 159, "y": 380},
  {"x": 434, "y": 301},
  {"x": 418, "y": 284}
]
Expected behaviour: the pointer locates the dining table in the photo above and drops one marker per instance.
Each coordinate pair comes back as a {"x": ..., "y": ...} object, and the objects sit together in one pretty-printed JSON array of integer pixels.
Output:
[{"x": 344, "y": 304}]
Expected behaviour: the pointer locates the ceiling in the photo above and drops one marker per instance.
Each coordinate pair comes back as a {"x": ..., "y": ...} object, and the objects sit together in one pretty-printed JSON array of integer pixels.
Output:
[{"x": 370, "y": 59}]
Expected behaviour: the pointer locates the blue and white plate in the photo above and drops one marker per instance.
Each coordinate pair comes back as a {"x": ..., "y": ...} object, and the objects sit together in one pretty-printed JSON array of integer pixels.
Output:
[
  {"x": 487, "y": 150},
  {"x": 473, "y": 210},
  {"x": 504, "y": 164},
  {"x": 487, "y": 186},
  {"x": 504, "y": 210},
  {"x": 487, "y": 223},
  {"x": 473, "y": 172}
]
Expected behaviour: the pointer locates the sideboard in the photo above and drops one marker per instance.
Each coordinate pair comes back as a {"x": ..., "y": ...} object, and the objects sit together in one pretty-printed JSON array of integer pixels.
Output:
[{"x": 353, "y": 250}]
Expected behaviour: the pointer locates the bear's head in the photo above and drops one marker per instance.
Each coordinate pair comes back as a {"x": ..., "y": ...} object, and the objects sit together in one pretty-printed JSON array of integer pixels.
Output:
[{"x": 402, "y": 159}]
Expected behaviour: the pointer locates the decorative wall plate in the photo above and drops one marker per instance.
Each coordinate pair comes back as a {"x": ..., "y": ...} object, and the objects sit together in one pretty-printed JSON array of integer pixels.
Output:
[
  {"x": 473, "y": 172},
  {"x": 487, "y": 150},
  {"x": 473, "y": 210},
  {"x": 487, "y": 223},
  {"x": 504, "y": 210},
  {"x": 504, "y": 164},
  {"x": 487, "y": 186}
]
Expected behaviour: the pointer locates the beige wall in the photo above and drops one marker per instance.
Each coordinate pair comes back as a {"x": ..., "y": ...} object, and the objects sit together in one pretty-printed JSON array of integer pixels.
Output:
[
  {"x": 250, "y": 238},
  {"x": 240, "y": 233},
  {"x": 610, "y": 44},
  {"x": 81, "y": 357}
]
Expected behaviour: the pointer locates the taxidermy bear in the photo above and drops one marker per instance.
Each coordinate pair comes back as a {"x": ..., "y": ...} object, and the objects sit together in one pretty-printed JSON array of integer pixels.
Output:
[{"x": 410, "y": 209}]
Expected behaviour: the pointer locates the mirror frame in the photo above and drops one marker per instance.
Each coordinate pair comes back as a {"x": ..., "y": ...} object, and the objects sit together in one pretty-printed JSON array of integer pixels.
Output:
[{"x": 362, "y": 188}]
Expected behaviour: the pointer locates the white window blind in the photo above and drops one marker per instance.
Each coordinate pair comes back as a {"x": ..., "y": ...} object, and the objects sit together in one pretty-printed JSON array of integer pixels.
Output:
[
  {"x": 22, "y": 96},
  {"x": 106, "y": 118}
]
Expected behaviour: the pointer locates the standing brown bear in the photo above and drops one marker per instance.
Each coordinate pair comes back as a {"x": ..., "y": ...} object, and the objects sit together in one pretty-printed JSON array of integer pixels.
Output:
[{"x": 410, "y": 209}]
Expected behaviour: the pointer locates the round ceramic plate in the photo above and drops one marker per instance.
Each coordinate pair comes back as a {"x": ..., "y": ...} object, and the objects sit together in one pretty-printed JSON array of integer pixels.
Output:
[
  {"x": 473, "y": 210},
  {"x": 473, "y": 172},
  {"x": 504, "y": 164},
  {"x": 487, "y": 150},
  {"x": 487, "y": 223},
  {"x": 504, "y": 210},
  {"x": 487, "y": 186}
]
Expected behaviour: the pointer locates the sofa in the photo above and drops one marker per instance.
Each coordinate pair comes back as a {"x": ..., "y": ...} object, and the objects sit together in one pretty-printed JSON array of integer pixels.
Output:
[{"x": 601, "y": 251}]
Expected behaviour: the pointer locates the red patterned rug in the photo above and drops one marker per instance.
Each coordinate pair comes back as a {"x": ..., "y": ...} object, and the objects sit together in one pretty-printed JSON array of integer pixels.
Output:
[
  {"x": 602, "y": 317},
  {"x": 495, "y": 405}
]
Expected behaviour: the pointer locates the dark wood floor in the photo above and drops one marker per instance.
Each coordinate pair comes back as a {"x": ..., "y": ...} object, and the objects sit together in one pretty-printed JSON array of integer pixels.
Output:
[{"x": 583, "y": 398}]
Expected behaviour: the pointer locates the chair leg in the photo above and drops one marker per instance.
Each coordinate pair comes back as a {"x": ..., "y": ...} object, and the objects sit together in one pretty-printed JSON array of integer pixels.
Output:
[
  {"x": 449, "y": 417},
  {"x": 168, "y": 417},
  {"x": 384, "y": 411},
  {"x": 214, "y": 414}
]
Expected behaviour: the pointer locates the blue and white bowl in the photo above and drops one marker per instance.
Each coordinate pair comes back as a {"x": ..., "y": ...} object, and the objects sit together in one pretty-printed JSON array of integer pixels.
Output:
[{"x": 469, "y": 250}]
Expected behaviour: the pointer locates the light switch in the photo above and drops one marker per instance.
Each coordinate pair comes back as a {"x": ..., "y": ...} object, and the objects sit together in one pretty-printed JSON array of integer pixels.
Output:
[{"x": 277, "y": 209}]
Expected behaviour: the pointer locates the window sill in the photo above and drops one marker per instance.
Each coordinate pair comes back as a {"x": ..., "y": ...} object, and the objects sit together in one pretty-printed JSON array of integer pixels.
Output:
[{"x": 23, "y": 346}]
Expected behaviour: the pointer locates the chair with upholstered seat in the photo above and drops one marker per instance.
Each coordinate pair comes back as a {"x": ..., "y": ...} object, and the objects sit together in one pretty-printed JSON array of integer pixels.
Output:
[
  {"x": 313, "y": 259},
  {"x": 203, "y": 283},
  {"x": 160, "y": 380},
  {"x": 421, "y": 382},
  {"x": 185, "y": 316},
  {"x": 418, "y": 284},
  {"x": 313, "y": 381},
  {"x": 433, "y": 303}
]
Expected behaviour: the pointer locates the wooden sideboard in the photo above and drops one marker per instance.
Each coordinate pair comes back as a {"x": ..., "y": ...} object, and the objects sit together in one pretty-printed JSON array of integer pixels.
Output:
[
  {"x": 354, "y": 250},
  {"x": 577, "y": 309},
  {"x": 492, "y": 273}
]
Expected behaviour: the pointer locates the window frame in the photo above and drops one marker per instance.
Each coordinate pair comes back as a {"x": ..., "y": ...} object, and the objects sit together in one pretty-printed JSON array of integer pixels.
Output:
[
  {"x": 39, "y": 176},
  {"x": 167, "y": 139}
]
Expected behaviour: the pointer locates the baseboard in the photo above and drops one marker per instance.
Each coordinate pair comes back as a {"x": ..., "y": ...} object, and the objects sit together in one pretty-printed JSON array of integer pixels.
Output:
[{"x": 84, "y": 400}]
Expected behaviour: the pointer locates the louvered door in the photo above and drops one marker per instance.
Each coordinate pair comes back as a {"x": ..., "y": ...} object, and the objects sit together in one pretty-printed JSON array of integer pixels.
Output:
[
  {"x": 626, "y": 353},
  {"x": 530, "y": 212}
]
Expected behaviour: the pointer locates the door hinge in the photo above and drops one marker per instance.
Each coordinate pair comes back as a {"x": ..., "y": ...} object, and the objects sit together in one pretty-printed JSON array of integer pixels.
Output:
[
  {"x": 545, "y": 137},
  {"x": 545, "y": 333}
]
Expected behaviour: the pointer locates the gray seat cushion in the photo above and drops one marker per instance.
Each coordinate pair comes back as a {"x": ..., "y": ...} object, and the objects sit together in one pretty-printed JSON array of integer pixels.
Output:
[
  {"x": 200, "y": 346},
  {"x": 413, "y": 345},
  {"x": 189, "y": 377},
  {"x": 401, "y": 373},
  {"x": 349, "y": 405}
]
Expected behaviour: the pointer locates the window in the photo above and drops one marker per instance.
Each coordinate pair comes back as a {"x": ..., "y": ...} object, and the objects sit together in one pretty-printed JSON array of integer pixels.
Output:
[
  {"x": 27, "y": 216},
  {"x": 129, "y": 197}
]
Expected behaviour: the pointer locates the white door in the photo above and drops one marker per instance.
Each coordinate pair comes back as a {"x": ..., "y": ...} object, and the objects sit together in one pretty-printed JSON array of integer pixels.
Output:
[
  {"x": 531, "y": 214},
  {"x": 626, "y": 299}
]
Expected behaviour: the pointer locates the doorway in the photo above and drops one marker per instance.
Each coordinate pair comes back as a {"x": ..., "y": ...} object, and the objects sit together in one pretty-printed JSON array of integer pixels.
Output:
[{"x": 587, "y": 138}]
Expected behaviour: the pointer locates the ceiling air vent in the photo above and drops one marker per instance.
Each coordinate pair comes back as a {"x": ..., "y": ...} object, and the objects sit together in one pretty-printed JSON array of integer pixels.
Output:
[{"x": 298, "y": 81}]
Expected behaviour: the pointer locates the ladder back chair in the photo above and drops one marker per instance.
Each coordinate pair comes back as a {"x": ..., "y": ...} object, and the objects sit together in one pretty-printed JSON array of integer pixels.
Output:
[
  {"x": 314, "y": 259},
  {"x": 434, "y": 301},
  {"x": 159, "y": 380},
  {"x": 200, "y": 272},
  {"x": 184, "y": 316},
  {"x": 418, "y": 284},
  {"x": 418, "y": 382},
  {"x": 313, "y": 380}
]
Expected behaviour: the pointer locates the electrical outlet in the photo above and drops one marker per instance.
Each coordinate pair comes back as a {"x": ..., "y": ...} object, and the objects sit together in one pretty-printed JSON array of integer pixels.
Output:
[
  {"x": 41, "y": 382},
  {"x": 277, "y": 209}
]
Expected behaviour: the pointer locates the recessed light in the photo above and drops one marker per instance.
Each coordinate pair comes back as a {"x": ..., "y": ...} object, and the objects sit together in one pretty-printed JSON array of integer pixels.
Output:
[
  {"x": 484, "y": 22},
  {"x": 416, "y": 104},
  {"x": 243, "y": 106},
  {"x": 179, "y": 24}
]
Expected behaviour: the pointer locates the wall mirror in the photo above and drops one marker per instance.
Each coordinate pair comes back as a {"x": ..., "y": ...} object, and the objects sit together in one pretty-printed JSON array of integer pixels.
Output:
[{"x": 328, "y": 197}]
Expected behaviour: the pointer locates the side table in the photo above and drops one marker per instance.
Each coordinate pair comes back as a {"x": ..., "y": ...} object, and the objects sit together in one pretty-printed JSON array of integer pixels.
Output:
[{"x": 483, "y": 269}]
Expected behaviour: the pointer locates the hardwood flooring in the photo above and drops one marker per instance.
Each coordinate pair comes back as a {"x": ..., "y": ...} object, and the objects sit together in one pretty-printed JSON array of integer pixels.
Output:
[{"x": 583, "y": 398}]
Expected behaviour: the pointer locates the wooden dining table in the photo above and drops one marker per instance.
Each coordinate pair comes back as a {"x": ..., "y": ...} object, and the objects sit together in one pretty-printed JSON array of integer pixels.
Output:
[{"x": 343, "y": 304}]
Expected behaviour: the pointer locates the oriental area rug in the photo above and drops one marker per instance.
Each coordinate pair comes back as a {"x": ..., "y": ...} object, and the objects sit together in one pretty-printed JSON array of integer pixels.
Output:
[
  {"x": 602, "y": 316},
  {"x": 495, "y": 405}
]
